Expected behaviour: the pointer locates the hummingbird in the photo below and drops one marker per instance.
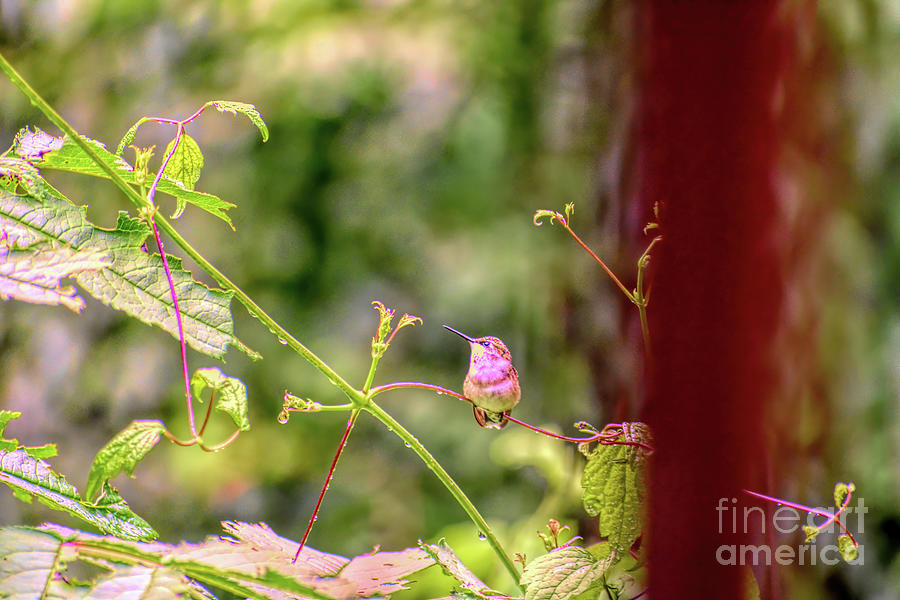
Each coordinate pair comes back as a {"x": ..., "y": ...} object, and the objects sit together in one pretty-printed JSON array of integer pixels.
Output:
[{"x": 492, "y": 383}]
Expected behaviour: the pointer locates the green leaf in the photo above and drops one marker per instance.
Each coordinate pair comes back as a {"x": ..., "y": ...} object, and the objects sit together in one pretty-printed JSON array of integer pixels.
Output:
[
  {"x": 120, "y": 520},
  {"x": 38, "y": 452},
  {"x": 564, "y": 573},
  {"x": 232, "y": 394},
  {"x": 841, "y": 491},
  {"x": 135, "y": 282},
  {"x": 34, "y": 274},
  {"x": 129, "y": 137},
  {"x": 849, "y": 550},
  {"x": 186, "y": 163},
  {"x": 5, "y": 417},
  {"x": 16, "y": 172},
  {"x": 28, "y": 475},
  {"x": 249, "y": 110},
  {"x": 34, "y": 478},
  {"x": 41, "y": 452},
  {"x": 811, "y": 532},
  {"x": 444, "y": 555},
  {"x": 123, "y": 453},
  {"x": 66, "y": 155},
  {"x": 614, "y": 483},
  {"x": 184, "y": 167}
]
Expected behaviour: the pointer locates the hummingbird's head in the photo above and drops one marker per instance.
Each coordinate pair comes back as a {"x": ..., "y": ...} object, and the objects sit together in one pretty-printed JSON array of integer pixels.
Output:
[{"x": 490, "y": 345}]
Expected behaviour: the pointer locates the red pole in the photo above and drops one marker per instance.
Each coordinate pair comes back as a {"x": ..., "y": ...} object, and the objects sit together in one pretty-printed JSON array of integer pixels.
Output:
[{"x": 708, "y": 154}]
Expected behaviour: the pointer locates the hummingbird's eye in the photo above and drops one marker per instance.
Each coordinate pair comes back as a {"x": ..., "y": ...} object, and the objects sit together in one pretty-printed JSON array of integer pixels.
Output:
[{"x": 486, "y": 344}]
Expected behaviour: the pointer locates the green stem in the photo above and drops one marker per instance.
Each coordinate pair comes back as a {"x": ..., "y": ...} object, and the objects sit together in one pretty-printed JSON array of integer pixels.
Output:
[
  {"x": 354, "y": 395},
  {"x": 641, "y": 302},
  {"x": 371, "y": 376},
  {"x": 445, "y": 478},
  {"x": 640, "y": 299},
  {"x": 645, "y": 327}
]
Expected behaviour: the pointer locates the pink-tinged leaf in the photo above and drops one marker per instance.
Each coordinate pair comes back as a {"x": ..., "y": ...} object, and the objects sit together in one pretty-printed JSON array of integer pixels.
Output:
[
  {"x": 256, "y": 562},
  {"x": 32, "y": 145},
  {"x": 382, "y": 572},
  {"x": 19, "y": 173},
  {"x": 376, "y": 573},
  {"x": 141, "y": 582},
  {"x": 34, "y": 274},
  {"x": 135, "y": 281},
  {"x": 261, "y": 536},
  {"x": 249, "y": 110}
]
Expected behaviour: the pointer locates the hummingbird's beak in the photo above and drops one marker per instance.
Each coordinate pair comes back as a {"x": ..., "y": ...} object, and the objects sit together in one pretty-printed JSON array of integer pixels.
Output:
[{"x": 460, "y": 334}]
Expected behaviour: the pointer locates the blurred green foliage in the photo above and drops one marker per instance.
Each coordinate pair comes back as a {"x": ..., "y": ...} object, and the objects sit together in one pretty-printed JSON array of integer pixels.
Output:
[{"x": 410, "y": 144}]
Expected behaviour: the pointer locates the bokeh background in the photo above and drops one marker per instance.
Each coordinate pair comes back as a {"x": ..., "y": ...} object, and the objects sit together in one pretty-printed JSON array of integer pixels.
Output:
[{"x": 411, "y": 143}]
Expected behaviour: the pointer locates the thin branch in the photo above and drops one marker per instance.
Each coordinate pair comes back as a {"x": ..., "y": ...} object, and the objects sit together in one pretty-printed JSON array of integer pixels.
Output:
[
  {"x": 184, "y": 365},
  {"x": 603, "y": 437},
  {"x": 564, "y": 438},
  {"x": 168, "y": 435},
  {"x": 221, "y": 445},
  {"x": 212, "y": 398},
  {"x": 378, "y": 389},
  {"x": 822, "y": 513},
  {"x": 607, "y": 439},
  {"x": 337, "y": 455},
  {"x": 609, "y": 272}
]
